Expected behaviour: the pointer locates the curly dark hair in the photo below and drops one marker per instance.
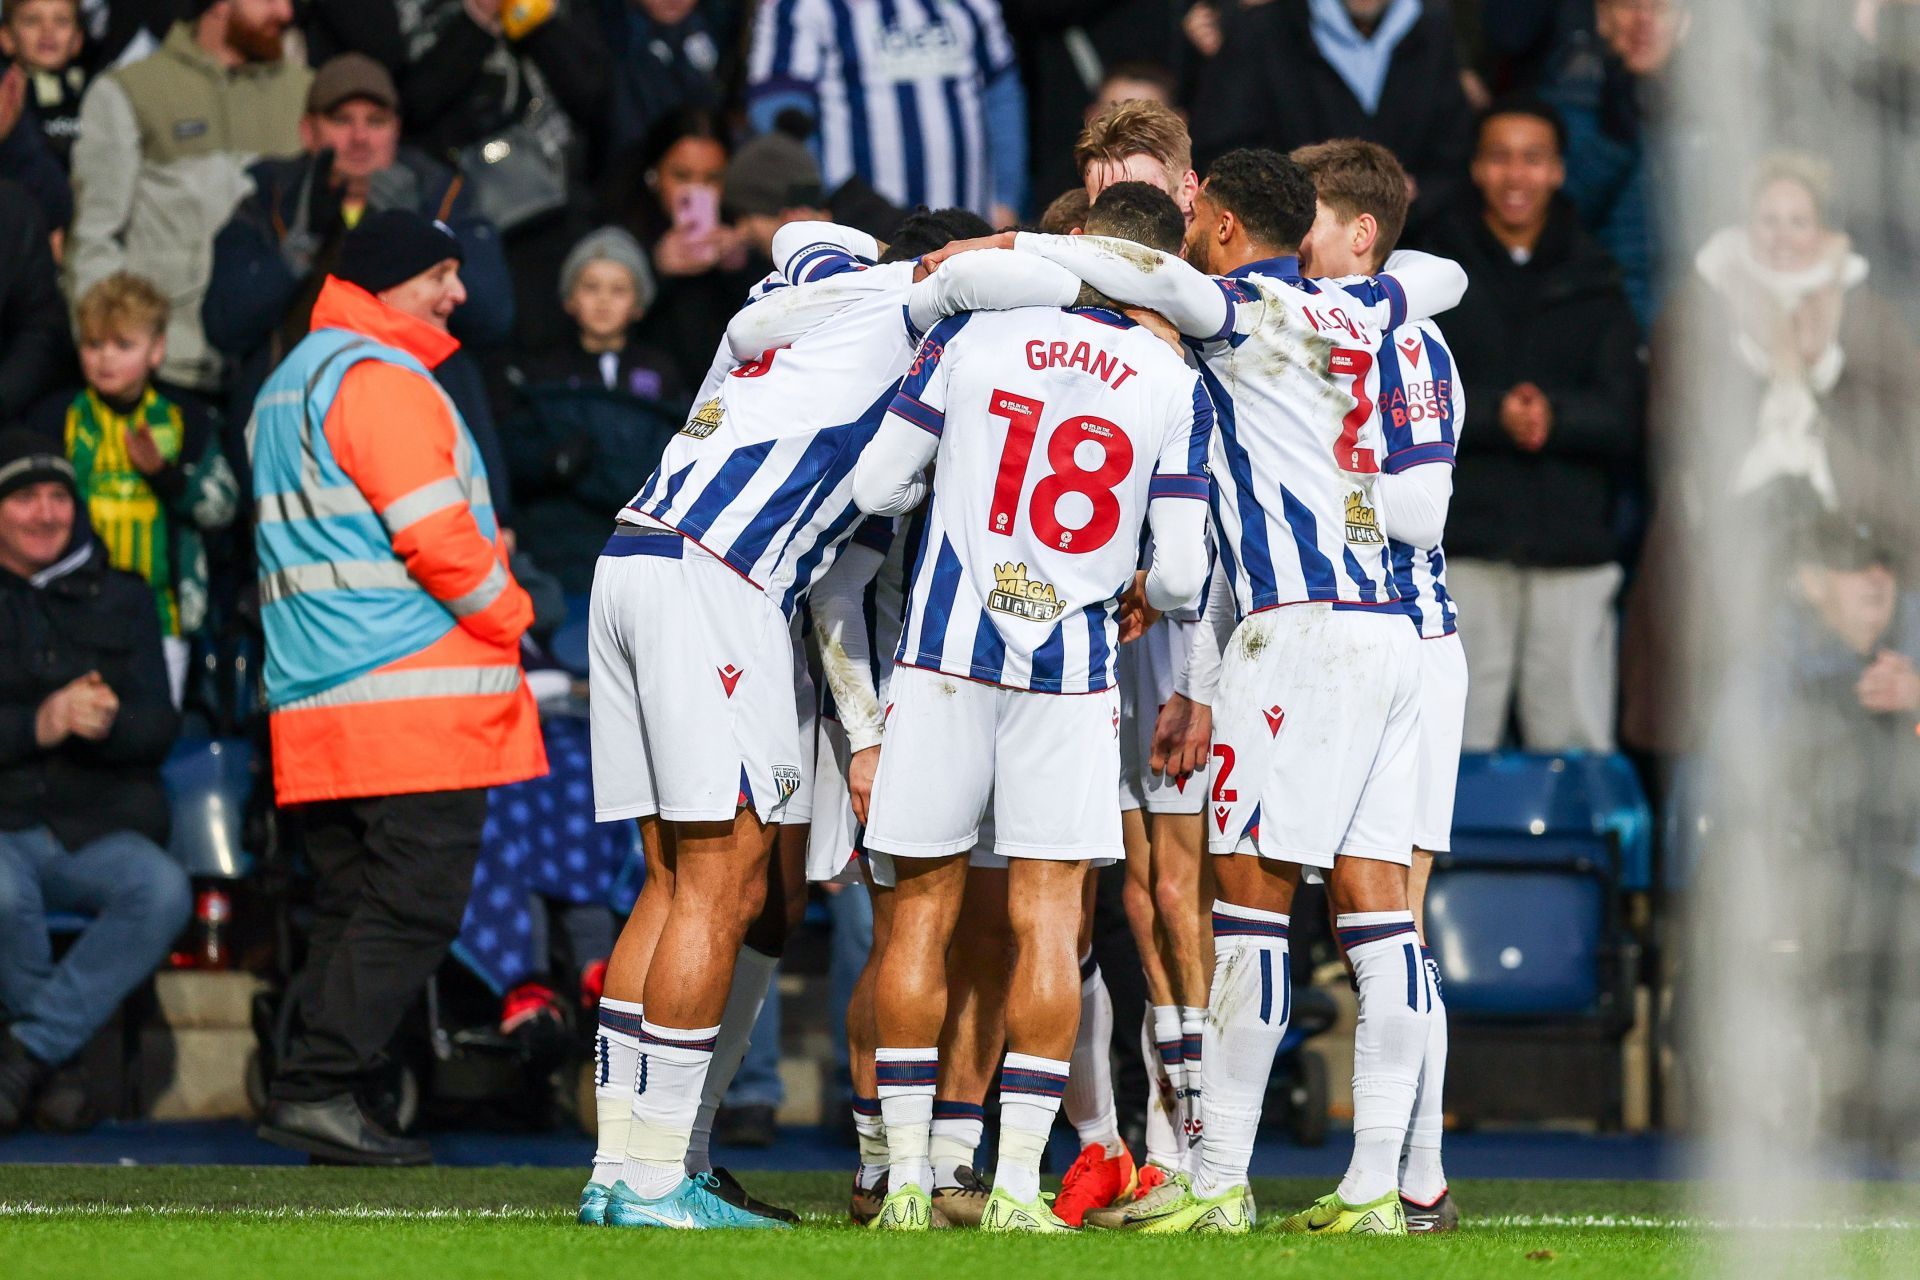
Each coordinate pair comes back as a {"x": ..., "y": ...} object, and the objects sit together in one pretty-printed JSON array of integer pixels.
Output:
[
  {"x": 1271, "y": 195},
  {"x": 928, "y": 229}
]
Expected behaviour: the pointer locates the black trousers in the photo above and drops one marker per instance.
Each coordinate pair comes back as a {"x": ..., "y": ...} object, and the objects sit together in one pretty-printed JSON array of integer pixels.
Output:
[{"x": 394, "y": 875}]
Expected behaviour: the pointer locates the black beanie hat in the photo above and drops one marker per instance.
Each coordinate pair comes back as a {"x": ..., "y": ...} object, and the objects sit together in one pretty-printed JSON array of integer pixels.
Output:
[
  {"x": 392, "y": 246},
  {"x": 27, "y": 457}
]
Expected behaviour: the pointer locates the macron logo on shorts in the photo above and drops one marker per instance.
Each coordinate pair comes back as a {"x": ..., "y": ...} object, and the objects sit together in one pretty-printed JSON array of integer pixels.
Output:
[
  {"x": 1220, "y": 813},
  {"x": 1275, "y": 718},
  {"x": 730, "y": 676}
]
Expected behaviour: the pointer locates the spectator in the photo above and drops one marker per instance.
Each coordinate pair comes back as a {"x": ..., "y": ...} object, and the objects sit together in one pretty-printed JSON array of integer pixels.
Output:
[
  {"x": 120, "y": 32},
  {"x": 666, "y": 54},
  {"x": 28, "y": 159},
  {"x": 515, "y": 93},
  {"x": 84, "y": 723},
  {"x": 771, "y": 181},
  {"x": 393, "y": 674},
  {"x": 1295, "y": 72},
  {"x": 1799, "y": 386},
  {"x": 42, "y": 39},
  {"x": 36, "y": 355},
  {"x": 1126, "y": 81},
  {"x": 149, "y": 471},
  {"x": 1612, "y": 88},
  {"x": 700, "y": 261},
  {"x": 923, "y": 101},
  {"x": 589, "y": 419},
  {"x": 161, "y": 161},
  {"x": 274, "y": 254},
  {"x": 1548, "y": 349}
]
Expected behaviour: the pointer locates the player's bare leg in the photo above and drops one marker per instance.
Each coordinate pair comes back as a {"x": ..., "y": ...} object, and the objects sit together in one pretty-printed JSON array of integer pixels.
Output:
[
  {"x": 719, "y": 887},
  {"x": 1375, "y": 929},
  {"x": 970, "y": 1044},
  {"x": 1104, "y": 1172},
  {"x": 1423, "y": 1178},
  {"x": 1043, "y": 1017},
  {"x": 1160, "y": 1029},
  {"x": 910, "y": 1007},
  {"x": 753, "y": 970},
  {"x": 870, "y": 1180},
  {"x": 617, "y": 1042},
  {"x": 1179, "y": 854}
]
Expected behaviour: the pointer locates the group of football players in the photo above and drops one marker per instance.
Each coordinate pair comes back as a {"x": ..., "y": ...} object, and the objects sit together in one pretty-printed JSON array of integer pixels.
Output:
[{"x": 1117, "y": 540}]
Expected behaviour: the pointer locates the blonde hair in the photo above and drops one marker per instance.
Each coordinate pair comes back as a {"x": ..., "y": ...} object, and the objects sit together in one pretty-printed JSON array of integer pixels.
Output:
[
  {"x": 121, "y": 303},
  {"x": 1135, "y": 127},
  {"x": 1803, "y": 169}
]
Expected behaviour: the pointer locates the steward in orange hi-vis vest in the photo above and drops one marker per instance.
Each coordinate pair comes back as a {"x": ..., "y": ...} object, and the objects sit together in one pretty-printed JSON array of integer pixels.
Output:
[{"x": 393, "y": 624}]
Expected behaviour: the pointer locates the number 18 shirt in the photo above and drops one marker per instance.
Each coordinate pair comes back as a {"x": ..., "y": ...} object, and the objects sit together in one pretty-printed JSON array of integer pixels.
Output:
[{"x": 1055, "y": 429}]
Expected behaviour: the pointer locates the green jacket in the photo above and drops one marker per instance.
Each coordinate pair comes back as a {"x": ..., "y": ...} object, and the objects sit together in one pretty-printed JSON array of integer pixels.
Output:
[{"x": 159, "y": 166}]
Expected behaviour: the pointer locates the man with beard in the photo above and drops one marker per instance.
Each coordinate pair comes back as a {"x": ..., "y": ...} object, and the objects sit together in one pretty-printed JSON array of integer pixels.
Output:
[{"x": 162, "y": 159}]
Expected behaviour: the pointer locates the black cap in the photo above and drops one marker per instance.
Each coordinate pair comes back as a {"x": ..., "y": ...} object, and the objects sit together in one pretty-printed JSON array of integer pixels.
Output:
[
  {"x": 392, "y": 246},
  {"x": 27, "y": 457}
]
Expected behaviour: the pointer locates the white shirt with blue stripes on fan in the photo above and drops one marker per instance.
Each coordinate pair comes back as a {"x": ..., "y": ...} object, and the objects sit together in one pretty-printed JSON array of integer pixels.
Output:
[{"x": 906, "y": 94}]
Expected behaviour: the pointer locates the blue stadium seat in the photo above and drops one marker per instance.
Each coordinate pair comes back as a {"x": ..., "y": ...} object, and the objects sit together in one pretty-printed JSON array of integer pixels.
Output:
[
  {"x": 569, "y": 645},
  {"x": 1524, "y": 912},
  {"x": 208, "y": 781}
]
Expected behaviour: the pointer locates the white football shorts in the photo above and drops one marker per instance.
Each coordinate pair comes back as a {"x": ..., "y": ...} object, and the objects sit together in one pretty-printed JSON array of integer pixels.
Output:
[
  {"x": 691, "y": 669},
  {"x": 799, "y": 810},
  {"x": 1047, "y": 764},
  {"x": 1443, "y": 717},
  {"x": 1315, "y": 737},
  {"x": 1147, "y": 669}
]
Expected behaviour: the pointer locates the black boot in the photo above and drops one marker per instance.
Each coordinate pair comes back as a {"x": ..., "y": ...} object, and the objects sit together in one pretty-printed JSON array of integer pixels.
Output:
[
  {"x": 20, "y": 1077},
  {"x": 65, "y": 1106},
  {"x": 336, "y": 1131}
]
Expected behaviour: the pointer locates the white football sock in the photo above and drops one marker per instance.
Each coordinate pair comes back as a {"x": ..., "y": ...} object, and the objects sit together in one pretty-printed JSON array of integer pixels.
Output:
[
  {"x": 1193, "y": 1026},
  {"x": 1089, "y": 1100},
  {"x": 1247, "y": 1012},
  {"x": 906, "y": 1078},
  {"x": 616, "y": 1054},
  {"x": 957, "y": 1129},
  {"x": 752, "y": 971},
  {"x": 1160, "y": 1048},
  {"x": 1030, "y": 1090},
  {"x": 673, "y": 1064},
  {"x": 1422, "y": 1179},
  {"x": 872, "y": 1135},
  {"x": 1388, "y": 1044}
]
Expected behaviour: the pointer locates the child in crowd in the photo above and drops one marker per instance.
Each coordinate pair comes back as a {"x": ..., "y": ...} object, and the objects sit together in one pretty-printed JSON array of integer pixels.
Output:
[
  {"x": 150, "y": 471},
  {"x": 589, "y": 418},
  {"x": 43, "y": 40}
]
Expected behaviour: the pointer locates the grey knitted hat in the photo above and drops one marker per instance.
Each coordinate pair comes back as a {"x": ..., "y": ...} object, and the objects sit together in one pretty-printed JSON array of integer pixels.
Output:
[{"x": 609, "y": 244}]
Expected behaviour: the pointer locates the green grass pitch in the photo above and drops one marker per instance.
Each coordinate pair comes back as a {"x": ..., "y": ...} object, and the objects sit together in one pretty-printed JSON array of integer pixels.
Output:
[{"x": 154, "y": 1223}]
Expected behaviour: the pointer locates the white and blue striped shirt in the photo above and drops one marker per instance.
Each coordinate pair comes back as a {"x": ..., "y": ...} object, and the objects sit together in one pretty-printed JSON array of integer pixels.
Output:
[
  {"x": 1055, "y": 429},
  {"x": 899, "y": 88},
  {"x": 761, "y": 475},
  {"x": 1422, "y": 406}
]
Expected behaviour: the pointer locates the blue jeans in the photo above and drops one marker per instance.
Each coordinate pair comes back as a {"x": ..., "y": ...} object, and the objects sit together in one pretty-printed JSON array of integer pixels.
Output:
[
  {"x": 139, "y": 899},
  {"x": 757, "y": 1082}
]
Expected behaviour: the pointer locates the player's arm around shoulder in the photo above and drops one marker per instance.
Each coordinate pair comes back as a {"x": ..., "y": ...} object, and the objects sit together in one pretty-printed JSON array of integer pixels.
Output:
[{"x": 410, "y": 479}]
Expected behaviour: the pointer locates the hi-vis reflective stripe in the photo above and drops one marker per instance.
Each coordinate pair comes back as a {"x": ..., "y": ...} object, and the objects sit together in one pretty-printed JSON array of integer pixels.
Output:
[
  {"x": 411, "y": 508},
  {"x": 336, "y": 575},
  {"x": 480, "y": 597},
  {"x": 422, "y": 682},
  {"x": 317, "y": 503}
]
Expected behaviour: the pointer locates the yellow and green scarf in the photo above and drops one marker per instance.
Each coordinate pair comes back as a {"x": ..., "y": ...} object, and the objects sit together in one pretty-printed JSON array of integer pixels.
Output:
[{"x": 128, "y": 516}]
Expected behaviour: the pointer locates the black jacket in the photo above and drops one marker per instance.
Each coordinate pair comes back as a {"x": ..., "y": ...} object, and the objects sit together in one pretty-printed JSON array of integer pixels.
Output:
[
  {"x": 88, "y": 618},
  {"x": 579, "y": 450},
  {"x": 1269, "y": 87},
  {"x": 36, "y": 355},
  {"x": 1561, "y": 322}
]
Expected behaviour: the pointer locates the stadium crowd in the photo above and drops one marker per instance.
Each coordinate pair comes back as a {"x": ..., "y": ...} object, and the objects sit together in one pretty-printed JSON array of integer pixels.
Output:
[{"x": 181, "y": 179}]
